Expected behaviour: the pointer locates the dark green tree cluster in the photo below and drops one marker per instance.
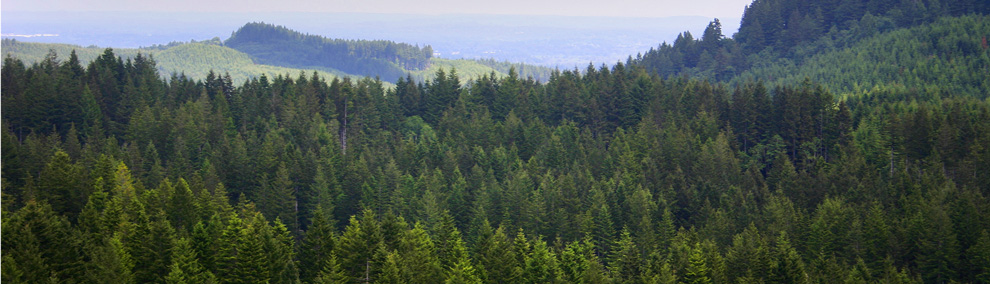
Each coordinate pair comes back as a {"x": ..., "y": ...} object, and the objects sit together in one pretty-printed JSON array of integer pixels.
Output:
[
  {"x": 610, "y": 175},
  {"x": 779, "y": 30},
  {"x": 277, "y": 45},
  {"x": 948, "y": 56}
]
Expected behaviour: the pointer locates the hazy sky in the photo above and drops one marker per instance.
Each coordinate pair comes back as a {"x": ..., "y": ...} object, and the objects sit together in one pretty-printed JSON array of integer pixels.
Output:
[{"x": 622, "y": 8}]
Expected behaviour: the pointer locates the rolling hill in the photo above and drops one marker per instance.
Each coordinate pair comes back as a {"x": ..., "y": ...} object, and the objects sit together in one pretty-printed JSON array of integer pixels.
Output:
[
  {"x": 197, "y": 59},
  {"x": 194, "y": 60}
]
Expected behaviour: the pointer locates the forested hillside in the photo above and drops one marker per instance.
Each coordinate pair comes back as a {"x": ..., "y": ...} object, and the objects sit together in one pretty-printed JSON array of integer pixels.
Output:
[
  {"x": 948, "y": 56},
  {"x": 774, "y": 31},
  {"x": 608, "y": 175},
  {"x": 826, "y": 142}
]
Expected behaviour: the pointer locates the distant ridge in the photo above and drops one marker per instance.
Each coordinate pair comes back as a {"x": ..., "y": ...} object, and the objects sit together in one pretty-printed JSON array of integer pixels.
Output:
[{"x": 280, "y": 46}]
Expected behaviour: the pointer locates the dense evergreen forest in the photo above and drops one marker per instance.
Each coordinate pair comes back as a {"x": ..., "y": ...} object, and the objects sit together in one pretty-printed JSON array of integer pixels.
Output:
[
  {"x": 277, "y": 45},
  {"x": 112, "y": 173},
  {"x": 789, "y": 32}
]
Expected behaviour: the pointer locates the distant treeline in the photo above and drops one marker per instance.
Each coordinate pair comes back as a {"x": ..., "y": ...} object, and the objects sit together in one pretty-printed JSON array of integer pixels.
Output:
[{"x": 277, "y": 45}]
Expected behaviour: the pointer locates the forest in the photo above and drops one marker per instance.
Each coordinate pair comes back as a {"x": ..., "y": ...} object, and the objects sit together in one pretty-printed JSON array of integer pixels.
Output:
[
  {"x": 790, "y": 32},
  {"x": 115, "y": 173},
  {"x": 278, "y": 45}
]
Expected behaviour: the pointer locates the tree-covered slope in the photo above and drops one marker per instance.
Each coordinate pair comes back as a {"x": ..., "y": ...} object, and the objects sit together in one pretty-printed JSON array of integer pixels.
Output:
[
  {"x": 793, "y": 30},
  {"x": 112, "y": 173},
  {"x": 277, "y": 45},
  {"x": 948, "y": 56},
  {"x": 601, "y": 176}
]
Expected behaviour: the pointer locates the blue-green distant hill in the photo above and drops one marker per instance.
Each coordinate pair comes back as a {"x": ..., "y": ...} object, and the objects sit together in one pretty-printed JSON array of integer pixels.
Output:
[
  {"x": 257, "y": 49},
  {"x": 278, "y": 45}
]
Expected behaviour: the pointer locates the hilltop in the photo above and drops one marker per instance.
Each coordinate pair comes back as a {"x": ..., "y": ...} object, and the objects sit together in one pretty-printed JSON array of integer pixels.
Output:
[{"x": 258, "y": 48}]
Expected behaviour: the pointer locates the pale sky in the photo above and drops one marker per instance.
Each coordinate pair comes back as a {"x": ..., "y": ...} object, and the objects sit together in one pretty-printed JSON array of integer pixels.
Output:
[{"x": 610, "y": 8}]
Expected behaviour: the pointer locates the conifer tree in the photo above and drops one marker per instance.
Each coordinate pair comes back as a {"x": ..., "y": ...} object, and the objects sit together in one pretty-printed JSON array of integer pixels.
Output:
[
  {"x": 205, "y": 240},
  {"x": 41, "y": 244},
  {"x": 626, "y": 264},
  {"x": 391, "y": 272},
  {"x": 281, "y": 256},
  {"x": 60, "y": 184},
  {"x": 417, "y": 257},
  {"x": 331, "y": 272},
  {"x": 541, "y": 265},
  {"x": 277, "y": 197},
  {"x": 185, "y": 267},
  {"x": 979, "y": 255},
  {"x": 497, "y": 257},
  {"x": 226, "y": 261},
  {"x": 358, "y": 244},
  {"x": 182, "y": 209},
  {"x": 448, "y": 242},
  {"x": 110, "y": 263},
  {"x": 697, "y": 271},
  {"x": 150, "y": 245},
  {"x": 789, "y": 266},
  {"x": 317, "y": 246},
  {"x": 251, "y": 264}
]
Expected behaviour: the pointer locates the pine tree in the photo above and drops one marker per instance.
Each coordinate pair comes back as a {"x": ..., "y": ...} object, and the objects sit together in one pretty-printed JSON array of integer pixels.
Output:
[
  {"x": 150, "y": 245},
  {"x": 462, "y": 273},
  {"x": 185, "y": 266},
  {"x": 251, "y": 264},
  {"x": 541, "y": 264},
  {"x": 452, "y": 253},
  {"x": 41, "y": 244},
  {"x": 697, "y": 270},
  {"x": 205, "y": 241},
  {"x": 497, "y": 257},
  {"x": 789, "y": 265},
  {"x": 626, "y": 262},
  {"x": 666, "y": 274},
  {"x": 936, "y": 243},
  {"x": 182, "y": 209},
  {"x": 277, "y": 198},
  {"x": 392, "y": 272},
  {"x": 358, "y": 244},
  {"x": 604, "y": 231},
  {"x": 447, "y": 240},
  {"x": 979, "y": 256},
  {"x": 226, "y": 262},
  {"x": 60, "y": 184},
  {"x": 572, "y": 262},
  {"x": 750, "y": 256},
  {"x": 331, "y": 272},
  {"x": 278, "y": 245},
  {"x": 417, "y": 257},
  {"x": 317, "y": 246},
  {"x": 110, "y": 263}
]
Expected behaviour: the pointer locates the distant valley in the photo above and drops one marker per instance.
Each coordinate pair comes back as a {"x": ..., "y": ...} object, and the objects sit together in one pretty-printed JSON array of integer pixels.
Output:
[{"x": 553, "y": 41}]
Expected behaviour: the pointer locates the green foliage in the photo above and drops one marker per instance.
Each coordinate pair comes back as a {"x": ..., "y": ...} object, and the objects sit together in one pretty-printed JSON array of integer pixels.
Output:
[
  {"x": 697, "y": 271},
  {"x": 945, "y": 56},
  {"x": 780, "y": 183},
  {"x": 277, "y": 45},
  {"x": 185, "y": 266},
  {"x": 41, "y": 245},
  {"x": 776, "y": 37}
]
